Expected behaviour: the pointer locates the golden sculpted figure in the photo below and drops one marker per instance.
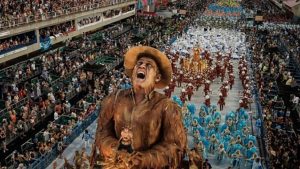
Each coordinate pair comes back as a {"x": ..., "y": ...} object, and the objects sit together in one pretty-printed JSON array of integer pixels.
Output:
[{"x": 139, "y": 127}]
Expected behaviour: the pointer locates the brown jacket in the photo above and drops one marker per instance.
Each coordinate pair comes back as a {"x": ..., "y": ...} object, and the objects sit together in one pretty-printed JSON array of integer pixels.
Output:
[{"x": 158, "y": 132}]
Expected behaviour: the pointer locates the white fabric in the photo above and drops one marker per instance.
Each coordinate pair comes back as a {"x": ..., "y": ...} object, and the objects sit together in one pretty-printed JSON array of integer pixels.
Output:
[{"x": 213, "y": 40}]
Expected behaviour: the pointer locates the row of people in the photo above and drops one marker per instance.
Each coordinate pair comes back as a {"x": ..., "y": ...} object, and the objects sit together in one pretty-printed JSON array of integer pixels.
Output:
[
  {"x": 20, "y": 12},
  {"x": 16, "y": 41}
]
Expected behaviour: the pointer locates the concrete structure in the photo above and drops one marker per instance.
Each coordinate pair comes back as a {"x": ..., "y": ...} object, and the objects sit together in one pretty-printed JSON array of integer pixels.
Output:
[{"x": 292, "y": 6}]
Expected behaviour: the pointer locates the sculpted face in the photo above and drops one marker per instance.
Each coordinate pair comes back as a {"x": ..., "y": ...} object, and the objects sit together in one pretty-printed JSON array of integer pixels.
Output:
[{"x": 145, "y": 75}]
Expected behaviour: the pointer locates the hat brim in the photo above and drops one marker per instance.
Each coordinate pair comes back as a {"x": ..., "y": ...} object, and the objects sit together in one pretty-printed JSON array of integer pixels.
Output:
[{"x": 162, "y": 61}]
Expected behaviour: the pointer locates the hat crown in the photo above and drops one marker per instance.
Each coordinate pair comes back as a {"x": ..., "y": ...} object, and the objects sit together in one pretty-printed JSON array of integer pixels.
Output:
[{"x": 162, "y": 61}]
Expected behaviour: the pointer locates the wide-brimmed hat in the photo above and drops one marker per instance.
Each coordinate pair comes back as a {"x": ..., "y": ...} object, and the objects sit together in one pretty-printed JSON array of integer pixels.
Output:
[{"x": 162, "y": 61}]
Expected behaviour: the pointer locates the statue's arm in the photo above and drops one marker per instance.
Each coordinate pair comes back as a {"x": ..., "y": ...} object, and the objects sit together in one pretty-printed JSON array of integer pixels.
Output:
[{"x": 106, "y": 139}]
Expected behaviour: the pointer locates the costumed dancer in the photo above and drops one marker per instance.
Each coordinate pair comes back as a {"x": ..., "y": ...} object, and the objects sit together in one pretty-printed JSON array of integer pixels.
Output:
[
  {"x": 221, "y": 152},
  {"x": 190, "y": 91},
  {"x": 206, "y": 87},
  {"x": 207, "y": 101},
  {"x": 168, "y": 92},
  {"x": 221, "y": 101},
  {"x": 180, "y": 78},
  {"x": 183, "y": 95}
]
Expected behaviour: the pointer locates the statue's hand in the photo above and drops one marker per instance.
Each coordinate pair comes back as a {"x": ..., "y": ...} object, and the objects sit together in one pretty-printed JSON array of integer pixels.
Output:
[
  {"x": 121, "y": 156},
  {"x": 109, "y": 152},
  {"x": 135, "y": 160}
]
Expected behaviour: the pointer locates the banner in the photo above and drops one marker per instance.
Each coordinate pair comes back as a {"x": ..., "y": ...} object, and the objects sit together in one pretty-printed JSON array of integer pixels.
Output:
[
  {"x": 45, "y": 43},
  {"x": 259, "y": 18}
]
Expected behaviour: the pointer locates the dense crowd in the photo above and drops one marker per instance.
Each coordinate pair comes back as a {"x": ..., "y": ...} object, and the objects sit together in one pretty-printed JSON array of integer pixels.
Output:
[
  {"x": 289, "y": 37},
  {"x": 57, "y": 30},
  {"x": 16, "y": 41},
  {"x": 89, "y": 20},
  {"x": 276, "y": 65},
  {"x": 269, "y": 11},
  {"x": 62, "y": 78},
  {"x": 276, "y": 82},
  {"x": 14, "y": 13}
]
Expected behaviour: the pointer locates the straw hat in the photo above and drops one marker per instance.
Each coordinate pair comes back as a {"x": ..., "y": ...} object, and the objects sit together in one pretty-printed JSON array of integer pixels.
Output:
[{"x": 162, "y": 61}]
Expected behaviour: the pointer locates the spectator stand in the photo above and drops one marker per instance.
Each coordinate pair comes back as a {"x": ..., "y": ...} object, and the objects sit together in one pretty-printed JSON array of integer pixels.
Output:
[
  {"x": 13, "y": 43},
  {"x": 43, "y": 160},
  {"x": 274, "y": 100},
  {"x": 88, "y": 21},
  {"x": 41, "y": 13},
  {"x": 17, "y": 107}
]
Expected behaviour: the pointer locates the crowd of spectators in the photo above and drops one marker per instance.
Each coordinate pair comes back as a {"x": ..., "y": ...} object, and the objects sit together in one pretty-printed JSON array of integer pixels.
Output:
[
  {"x": 46, "y": 95},
  {"x": 111, "y": 13},
  {"x": 291, "y": 39},
  {"x": 276, "y": 83},
  {"x": 269, "y": 11},
  {"x": 89, "y": 20},
  {"x": 13, "y": 13},
  {"x": 17, "y": 41},
  {"x": 56, "y": 132},
  {"x": 128, "y": 8},
  {"x": 57, "y": 30}
]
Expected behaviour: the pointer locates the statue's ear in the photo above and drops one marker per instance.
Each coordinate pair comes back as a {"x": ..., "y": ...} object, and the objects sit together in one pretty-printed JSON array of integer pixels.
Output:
[{"x": 158, "y": 78}]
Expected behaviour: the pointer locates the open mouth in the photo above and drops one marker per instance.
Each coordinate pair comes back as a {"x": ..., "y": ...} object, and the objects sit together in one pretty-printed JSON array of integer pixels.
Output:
[{"x": 141, "y": 75}]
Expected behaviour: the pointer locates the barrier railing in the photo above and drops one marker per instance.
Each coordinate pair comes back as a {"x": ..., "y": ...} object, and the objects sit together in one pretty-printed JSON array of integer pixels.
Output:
[
  {"x": 18, "y": 21},
  {"x": 259, "y": 114}
]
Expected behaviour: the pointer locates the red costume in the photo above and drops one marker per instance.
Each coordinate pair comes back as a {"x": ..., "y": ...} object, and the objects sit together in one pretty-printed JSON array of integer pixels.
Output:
[
  {"x": 221, "y": 102},
  {"x": 183, "y": 96},
  {"x": 190, "y": 91},
  {"x": 168, "y": 91},
  {"x": 207, "y": 101}
]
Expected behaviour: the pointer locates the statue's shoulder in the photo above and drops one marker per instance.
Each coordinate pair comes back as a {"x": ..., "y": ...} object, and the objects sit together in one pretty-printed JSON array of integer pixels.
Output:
[
  {"x": 117, "y": 95},
  {"x": 167, "y": 103}
]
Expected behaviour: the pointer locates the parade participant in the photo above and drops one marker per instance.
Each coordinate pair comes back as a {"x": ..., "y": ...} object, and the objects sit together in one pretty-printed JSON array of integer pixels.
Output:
[
  {"x": 213, "y": 143},
  {"x": 224, "y": 90},
  {"x": 206, "y": 164},
  {"x": 207, "y": 101},
  {"x": 154, "y": 121},
  {"x": 221, "y": 101},
  {"x": 218, "y": 68},
  {"x": 198, "y": 82},
  {"x": 236, "y": 159},
  {"x": 183, "y": 96},
  {"x": 190, "y": 91},
  {"x": 180, "y": 78},
  {"x": 231, "y": 80},
  {"x": 172, "y": 85},
  {"x": 168, "y": 92},
  {"x": 206, "y": 88},
  {"x": 221, "y": 152},
  {"x": 223, "y": 72}
]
